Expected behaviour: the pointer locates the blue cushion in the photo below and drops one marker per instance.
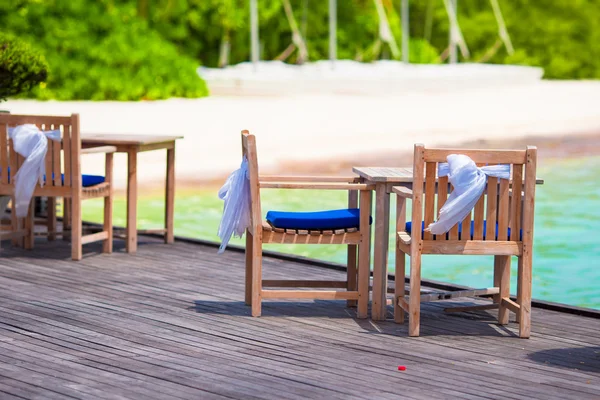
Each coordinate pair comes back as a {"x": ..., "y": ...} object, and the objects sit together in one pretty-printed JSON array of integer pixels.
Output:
[
  {"x": 90, "y": 180},
  {"x": 87, "y": 180},
  {"x": 318, "y": 220},
  {"x": 409, "y": 226}
]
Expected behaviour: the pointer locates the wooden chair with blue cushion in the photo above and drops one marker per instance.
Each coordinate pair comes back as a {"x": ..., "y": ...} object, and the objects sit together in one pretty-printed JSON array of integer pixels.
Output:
[
  {"x": 349, "y": 226},
  {"x": 500, "y": 224},
  {"x": 63, "y": 179}
]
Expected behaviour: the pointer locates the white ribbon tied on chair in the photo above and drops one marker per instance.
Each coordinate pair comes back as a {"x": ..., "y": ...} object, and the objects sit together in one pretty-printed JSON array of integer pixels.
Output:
[
  {"x": 468, "y": 182},
  {"x": 236, "y": 210},
  {"x": 30, "y": 142}
]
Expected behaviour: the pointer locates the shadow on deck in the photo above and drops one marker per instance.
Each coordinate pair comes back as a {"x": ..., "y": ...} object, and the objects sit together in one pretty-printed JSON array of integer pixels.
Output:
[{"x": 170, "y": 322}]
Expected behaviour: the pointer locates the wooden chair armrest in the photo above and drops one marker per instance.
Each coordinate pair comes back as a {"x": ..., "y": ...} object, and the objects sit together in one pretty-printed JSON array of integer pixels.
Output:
[
  {"x": 281, "y": 178},
  {"x": 99, "y": 149},
  {"x": 403, "y": 192},
  {"x": 316, "y": 185}
]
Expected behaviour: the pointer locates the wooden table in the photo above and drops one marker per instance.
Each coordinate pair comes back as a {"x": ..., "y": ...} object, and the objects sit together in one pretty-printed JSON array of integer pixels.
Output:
[
  {"x": 132, "y": 145},
  {"x": 384, "y": 179}
]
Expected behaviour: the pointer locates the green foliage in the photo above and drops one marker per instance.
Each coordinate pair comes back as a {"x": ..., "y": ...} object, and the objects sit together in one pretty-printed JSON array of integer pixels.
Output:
[
  {"x": 562, "y": 36},
  {"x": 150, "y": 49},
  {"x": 200, "y": 27},
  {"x": 99, "y": 50},
  {"x": 21, "y": 67}
]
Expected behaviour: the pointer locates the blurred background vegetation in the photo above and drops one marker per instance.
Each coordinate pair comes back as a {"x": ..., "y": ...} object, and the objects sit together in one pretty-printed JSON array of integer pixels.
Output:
[{"x": 150, "y": 49}]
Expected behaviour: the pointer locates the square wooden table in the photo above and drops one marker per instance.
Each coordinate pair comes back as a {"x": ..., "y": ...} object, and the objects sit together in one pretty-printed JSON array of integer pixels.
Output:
[
  {"x": 132, "y": 145},
  {"x": 384, "y": 179}
]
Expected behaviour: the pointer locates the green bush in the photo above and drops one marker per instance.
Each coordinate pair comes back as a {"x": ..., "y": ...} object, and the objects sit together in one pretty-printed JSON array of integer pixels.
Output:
[
  {"x": 21, "y": 68},
  {"x": 99, "y": 50},
  {"x": 562, "y": 36},
  {"x": 199, "y": 27}
]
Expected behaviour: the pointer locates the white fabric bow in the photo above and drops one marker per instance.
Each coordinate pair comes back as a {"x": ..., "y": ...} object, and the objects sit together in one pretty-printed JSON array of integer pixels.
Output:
[
  {"x": 236, "y": 210},
  {"x": 30, "y": 142},
  {"x": 468, "y": 182}
]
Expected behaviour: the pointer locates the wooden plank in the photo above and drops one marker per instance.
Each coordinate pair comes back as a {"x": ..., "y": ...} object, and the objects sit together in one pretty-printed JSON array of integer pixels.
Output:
[
  {"x": 4, "y": 153},
  {"x": 20, "y": 119},
  {"x": 478, "y": 218},
  {"x": 315, "y": 185},
  {"x": 131, "y": 241},
  {"x": 492, "y": 208},
  {"x": 515, "y": 212},
  {"x": 303, "y": 283},
  {"x": 380, "y": 253},
  {"x": 310, "y": 294},
  {"x": 441, "y": 200},
  {"x": 170, "y": 197},
  {"x": 458, "y": 293},
  {"x": 352, "y": 254},
  {"x": 478, "y": 156},
  {"x": 400, "y": 267},
  {"x": 453, "y": 233},
  {"x": 473, "y": 247},
  {"x": 503, "y": 210},
  {"x": 303, "y": 178},
  {"x": 124, "y": 139},
  {"x": 430, "y": 173},
  {"x": 56, "y": 160},
  {"x": 171, "y": 322},
  {"x": 525, "y": 266},
  {"x": 511, "y": 305},
  {"x": 67, "y": 154},
  {"x": 364, "y": 253},
  {"x": 94, "y": 237},
  {"x": 479, "y": 307},
  {"x": 48, "y": 161}
]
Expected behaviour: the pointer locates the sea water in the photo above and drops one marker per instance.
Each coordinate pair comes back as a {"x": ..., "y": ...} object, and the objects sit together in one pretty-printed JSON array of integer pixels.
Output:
[{"x": 566, "y": 263}]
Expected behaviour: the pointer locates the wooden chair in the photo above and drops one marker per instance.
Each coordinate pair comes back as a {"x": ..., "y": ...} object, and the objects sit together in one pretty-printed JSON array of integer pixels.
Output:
[
  {"x": 504, "y": 206},
  {"x": 63, "y": 179},
  {"x": 262, "y": 232}
]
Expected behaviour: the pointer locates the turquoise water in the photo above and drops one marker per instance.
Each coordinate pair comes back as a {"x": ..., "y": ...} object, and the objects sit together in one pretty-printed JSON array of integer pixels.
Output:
[{"x": 566, "y": 235}]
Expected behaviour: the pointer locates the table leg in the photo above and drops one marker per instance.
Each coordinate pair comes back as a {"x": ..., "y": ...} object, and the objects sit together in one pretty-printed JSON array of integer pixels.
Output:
[
  {"x": 380, "y": 256},
  {"x": 170, "y": 196},
  {"x": 131, "y": 243}
]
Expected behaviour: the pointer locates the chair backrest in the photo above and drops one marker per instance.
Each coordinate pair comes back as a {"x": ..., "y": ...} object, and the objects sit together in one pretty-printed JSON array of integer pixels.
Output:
[
  {"x": 249, "y": 151},
  {"x": 501, "y": 203},
  {"x": 62, "y": 157}
]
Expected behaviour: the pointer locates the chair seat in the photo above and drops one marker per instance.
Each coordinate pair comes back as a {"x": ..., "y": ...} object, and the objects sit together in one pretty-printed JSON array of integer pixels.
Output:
[
  {"x": 86, "y": 180},
  {"x": 409, "y": 227},
  {"x": 317, "y": 220}
]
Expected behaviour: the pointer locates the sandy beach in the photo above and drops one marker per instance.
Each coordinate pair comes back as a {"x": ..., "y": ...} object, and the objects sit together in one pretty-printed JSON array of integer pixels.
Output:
[{"x": 328, "y": 133}]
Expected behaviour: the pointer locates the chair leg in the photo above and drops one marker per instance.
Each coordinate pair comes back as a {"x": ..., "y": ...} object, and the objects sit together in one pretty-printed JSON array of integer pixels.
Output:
[
  {"x": 30, "y": 226},
  {"x": 524, "y": 296},
  {"x": 51, "y": 218},
  {"x": 248, "y": 291},
  {"x": 502, "y": 281},
  {"x": 107, "y": 245},
  {"x": 399, "y": 285},
  {"x": 364, "y": 275},
  {"x": 66, "y": 218},
  {"x": 351, "y": 273},
  {"x": 256, "y": 276},
  {"x": 16, "y": 223},
  {"x": 414, "y": 317},
  {"x": 364, "y": 254},
  {"x": 76, "y": 229}
]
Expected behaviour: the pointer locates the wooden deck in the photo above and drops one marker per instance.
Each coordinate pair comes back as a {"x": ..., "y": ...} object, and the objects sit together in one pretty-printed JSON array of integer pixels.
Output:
[{"x": 170, "y": 323}]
